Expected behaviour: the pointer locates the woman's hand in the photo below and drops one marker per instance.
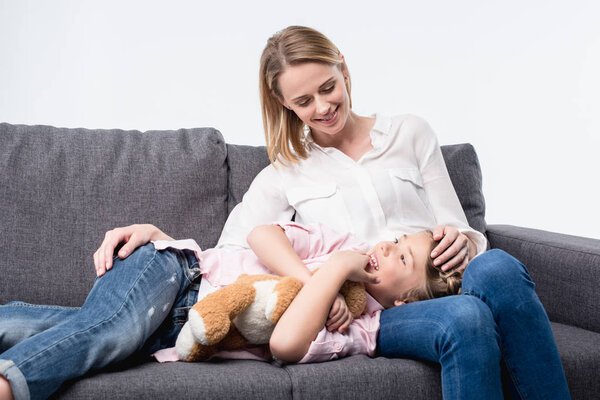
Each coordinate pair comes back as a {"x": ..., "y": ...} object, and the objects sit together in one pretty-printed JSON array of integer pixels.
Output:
[
  {"x": 455, "y": 249},
  {"x": 339, "y": 316},
  {"x": 133, "y": 236}
]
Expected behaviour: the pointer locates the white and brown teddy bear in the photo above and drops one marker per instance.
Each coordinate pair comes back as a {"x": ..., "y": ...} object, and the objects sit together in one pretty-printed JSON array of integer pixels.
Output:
[{"x": 246, "y": 312}]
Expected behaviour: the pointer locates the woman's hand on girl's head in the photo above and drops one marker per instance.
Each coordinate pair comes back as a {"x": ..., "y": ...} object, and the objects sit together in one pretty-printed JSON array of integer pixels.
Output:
[
  {"x": 133, "y": 236},
  {"x": 454, "y": 249}
]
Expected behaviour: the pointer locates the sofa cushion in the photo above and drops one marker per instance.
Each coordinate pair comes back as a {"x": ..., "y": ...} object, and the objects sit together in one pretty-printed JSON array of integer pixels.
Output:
[
  {"x": 465, "y": 174},
  {"x": 461, "y": 160},
  {"x": 244, "y": 163},
  {"x": 580, "y": 355},
  {"x": 227, "y": 379},
  {"x": 62, "y": 189},
  {"x": 361, "y": 377}
]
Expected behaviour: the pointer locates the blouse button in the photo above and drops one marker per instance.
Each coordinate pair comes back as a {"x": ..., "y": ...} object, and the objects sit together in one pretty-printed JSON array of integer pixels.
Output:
[{"x": 337, "y": 346}]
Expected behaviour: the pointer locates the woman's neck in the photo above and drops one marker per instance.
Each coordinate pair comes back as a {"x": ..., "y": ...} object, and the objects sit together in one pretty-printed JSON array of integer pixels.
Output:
[{"x": 354, "y": 139}]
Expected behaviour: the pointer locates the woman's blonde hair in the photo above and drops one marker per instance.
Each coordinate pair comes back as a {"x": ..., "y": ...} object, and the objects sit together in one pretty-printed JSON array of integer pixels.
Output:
[
  {"x": 284, "y": 131},
  {"x": 437, "y": 282}
]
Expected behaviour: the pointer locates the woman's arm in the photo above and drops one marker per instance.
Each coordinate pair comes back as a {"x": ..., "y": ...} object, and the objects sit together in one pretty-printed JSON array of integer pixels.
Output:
[
  {"x": 306, "y": 315},
  {"x": 264, "y": 202},
  {"x": 274, "y": 250},
  {"x": 459, "y": 243}
]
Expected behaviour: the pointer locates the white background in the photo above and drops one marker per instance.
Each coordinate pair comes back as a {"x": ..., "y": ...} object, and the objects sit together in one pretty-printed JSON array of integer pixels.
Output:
[{"x": 520, "y": 80}]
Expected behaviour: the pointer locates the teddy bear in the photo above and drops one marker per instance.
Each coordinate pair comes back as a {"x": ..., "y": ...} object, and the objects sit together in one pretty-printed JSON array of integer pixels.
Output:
[{"x": 246, "y": 312}]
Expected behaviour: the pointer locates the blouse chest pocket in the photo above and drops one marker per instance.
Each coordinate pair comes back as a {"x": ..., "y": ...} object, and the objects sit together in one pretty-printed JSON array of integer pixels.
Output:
[
  {"x": 319, "y": 203},
  {"x": 411, "y": 198}
]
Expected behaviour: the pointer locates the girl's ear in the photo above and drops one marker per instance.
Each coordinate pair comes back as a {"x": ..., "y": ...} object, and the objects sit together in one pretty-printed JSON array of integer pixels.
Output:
[{"x": 399, "y": 302}]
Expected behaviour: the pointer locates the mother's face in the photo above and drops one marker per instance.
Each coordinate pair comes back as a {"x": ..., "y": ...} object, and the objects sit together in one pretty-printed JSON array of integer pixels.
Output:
[{"x": 317, "y": 94}]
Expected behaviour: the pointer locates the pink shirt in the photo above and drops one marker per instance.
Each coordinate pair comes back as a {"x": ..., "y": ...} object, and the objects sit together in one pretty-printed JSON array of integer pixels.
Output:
[{"x": 314, "y": 244}]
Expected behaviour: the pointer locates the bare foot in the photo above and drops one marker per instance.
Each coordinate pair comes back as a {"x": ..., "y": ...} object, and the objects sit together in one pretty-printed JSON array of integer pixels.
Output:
[{"x": 5, "y": 390}]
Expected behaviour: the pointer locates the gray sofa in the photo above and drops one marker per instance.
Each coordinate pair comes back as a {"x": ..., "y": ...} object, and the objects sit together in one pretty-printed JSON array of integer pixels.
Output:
[{"x": 61, "y": 189}]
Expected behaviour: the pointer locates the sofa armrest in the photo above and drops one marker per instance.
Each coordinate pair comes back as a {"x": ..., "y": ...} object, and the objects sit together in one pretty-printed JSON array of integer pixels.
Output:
[{"x": 565, "y": 269}]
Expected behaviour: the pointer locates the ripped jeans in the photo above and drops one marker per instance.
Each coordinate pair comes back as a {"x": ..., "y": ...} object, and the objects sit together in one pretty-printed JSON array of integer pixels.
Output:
[{"x": 140, "y": 304}]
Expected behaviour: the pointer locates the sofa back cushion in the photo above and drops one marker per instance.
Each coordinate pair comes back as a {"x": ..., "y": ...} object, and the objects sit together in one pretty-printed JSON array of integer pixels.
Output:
[
  {"x": 461, "y": 160},
  {"x": 62, "y": 189}
]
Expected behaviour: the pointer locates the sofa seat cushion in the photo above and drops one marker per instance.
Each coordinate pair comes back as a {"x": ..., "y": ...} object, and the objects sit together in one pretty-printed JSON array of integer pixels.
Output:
[
  {"x": 580, "y": 355},
  {"x": 226, "y": 379},
  {"x": 361, "y": 377}
]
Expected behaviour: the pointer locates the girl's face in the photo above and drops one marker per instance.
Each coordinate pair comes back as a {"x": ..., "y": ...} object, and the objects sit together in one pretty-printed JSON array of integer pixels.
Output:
[
  {"x": 317, "y": 94},
  {"x": 401, "y": 267}
]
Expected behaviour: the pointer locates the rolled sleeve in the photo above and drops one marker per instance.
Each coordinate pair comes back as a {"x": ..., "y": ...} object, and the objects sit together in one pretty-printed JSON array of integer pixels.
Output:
[
  {"x": 316, "y": 240},
  {"x": 361, "y": 338}
]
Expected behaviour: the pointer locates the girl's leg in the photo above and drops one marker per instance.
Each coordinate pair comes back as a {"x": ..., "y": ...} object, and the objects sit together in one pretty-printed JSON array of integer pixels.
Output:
[
  {"x": 528, "y": 347},
  {"x": 458, "y": 332},
  {"x": 5, "y": 390},
  {"x": 19, "y": 321},
  {"x": 123, "y": 309}
]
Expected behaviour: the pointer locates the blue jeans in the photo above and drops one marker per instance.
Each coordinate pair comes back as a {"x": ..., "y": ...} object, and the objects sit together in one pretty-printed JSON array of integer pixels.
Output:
[
  {"x": 496, "y": 327},
  {"x": 140, "y": 304}
]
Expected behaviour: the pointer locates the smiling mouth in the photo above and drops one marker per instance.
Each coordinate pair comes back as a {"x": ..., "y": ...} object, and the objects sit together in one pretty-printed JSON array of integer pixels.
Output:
[
  {"x": 373, "y": 262},
  {"x": 330, "y": 117}
]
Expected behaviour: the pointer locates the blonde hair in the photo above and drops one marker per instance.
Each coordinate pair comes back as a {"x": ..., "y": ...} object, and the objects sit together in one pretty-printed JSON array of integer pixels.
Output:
[
  {"x": 437, "y": 282},
  {"x": 284, "y": 131}
]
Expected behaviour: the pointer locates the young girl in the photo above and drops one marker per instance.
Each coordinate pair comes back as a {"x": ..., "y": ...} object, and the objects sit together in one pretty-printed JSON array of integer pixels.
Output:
[{"x": 395, "y": 272}]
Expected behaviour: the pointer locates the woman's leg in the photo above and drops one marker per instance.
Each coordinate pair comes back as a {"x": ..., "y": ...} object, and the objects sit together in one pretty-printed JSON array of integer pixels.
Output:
[
  {"x": 123, "y": 309},
  {"x": 528, "y": 347},
  {"x": 458, "y": 332}
]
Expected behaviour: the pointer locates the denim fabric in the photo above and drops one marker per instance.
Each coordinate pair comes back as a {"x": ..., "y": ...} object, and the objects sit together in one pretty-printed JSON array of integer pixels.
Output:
[
  {"x": 140, "y": 304},
  {"x": 497, "y": 319}
]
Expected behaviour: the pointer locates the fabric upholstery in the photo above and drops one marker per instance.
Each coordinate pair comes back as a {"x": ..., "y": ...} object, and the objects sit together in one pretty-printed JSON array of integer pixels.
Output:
[
  {"x": 230, "y": 379},
  {"x": 244, "y": 163},
  {"x": 465, "y": 174},
  {"x": 361, "y": 377},
  {"x": 565, "y": 269},
  {"x": 580, "y": 355},
  {"x": 62, "y": 189}
]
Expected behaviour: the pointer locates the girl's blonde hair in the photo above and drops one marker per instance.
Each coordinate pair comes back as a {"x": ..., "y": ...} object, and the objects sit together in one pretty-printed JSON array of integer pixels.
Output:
[
  {"x": 437, "y": 282},
  {"x": 284, "y": 131}
]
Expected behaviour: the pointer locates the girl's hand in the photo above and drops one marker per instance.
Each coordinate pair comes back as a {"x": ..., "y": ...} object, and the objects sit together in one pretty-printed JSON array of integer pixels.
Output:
[
  {"x": 133, "y": 236},
  {"x": 354, "y": 264},
  {"x": 455, "y": 249},
  {"x": 339, "y": 316}
]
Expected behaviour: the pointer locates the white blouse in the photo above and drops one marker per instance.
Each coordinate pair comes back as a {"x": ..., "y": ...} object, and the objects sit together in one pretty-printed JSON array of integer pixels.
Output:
[{"x": 400, "y": 186}]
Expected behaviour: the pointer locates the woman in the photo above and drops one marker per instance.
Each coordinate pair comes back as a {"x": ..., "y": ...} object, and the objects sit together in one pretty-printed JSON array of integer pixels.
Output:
[{"x": 373, "y": 176}]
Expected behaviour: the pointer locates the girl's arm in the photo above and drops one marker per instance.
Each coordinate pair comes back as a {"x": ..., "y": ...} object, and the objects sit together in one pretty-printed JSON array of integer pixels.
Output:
[
  {"x": 274, "y": 250},
  {"x": 307, "y": 313}
]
